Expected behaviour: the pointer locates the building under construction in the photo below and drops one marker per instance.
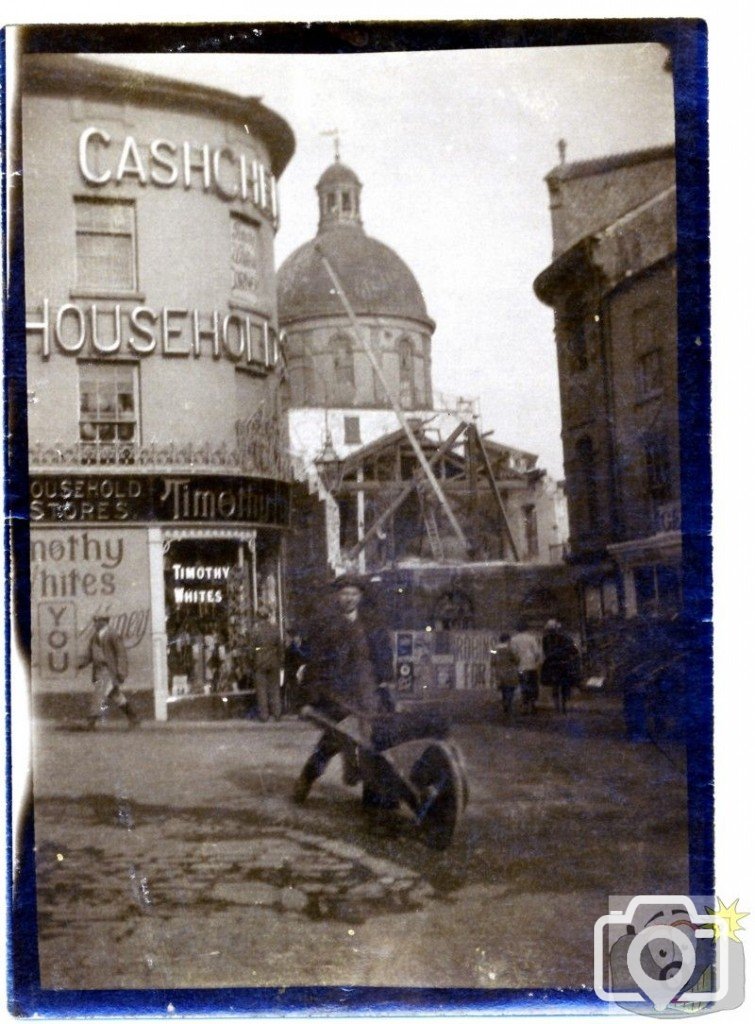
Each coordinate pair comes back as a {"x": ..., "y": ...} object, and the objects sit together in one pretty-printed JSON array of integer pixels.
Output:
[{"x": 454, "y": 531}]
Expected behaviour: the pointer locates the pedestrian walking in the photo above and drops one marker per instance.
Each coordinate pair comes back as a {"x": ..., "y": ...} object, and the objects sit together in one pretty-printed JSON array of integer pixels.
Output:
[
  {"x": 267, "y": 662},
  {"x": 350, "y": 663},
  {"x": 106, "y": 653},
  {"x": 561, "y": 664},
  {"x": 525, "y": 647},
  {"x": 505, "y": 673}
]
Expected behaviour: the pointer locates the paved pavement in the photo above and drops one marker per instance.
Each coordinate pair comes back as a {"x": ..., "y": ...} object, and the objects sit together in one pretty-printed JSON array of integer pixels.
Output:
[{"x": 172, "y": 856}]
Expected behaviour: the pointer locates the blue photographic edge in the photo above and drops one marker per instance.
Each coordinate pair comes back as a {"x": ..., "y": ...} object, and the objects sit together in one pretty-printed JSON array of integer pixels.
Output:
[{"x": 687, "y": 43}]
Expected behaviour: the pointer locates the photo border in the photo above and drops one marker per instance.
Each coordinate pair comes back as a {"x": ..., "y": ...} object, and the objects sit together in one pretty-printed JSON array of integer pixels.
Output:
[{"x": 686, "y": 40}]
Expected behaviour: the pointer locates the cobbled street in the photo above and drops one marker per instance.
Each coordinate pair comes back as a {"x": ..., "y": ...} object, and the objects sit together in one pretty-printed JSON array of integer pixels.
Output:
[{"x": 172, "y": 856}]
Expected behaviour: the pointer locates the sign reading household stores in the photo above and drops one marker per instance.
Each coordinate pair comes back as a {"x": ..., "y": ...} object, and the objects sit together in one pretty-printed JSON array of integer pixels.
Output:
[{"x": 137, "y": 498}]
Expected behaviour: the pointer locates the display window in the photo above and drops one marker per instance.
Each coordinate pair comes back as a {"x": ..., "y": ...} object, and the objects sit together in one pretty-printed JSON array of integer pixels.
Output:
[{"x": 213, "y": 589}]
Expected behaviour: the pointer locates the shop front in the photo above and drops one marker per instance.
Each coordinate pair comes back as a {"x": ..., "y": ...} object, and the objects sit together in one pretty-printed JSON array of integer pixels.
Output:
[
  {"x": 215, "y": 581},
  {"x": 180, "y": 565}
]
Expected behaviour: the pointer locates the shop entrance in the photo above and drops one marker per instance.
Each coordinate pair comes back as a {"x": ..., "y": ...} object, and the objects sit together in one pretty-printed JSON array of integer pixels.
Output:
[{"x": 213, "y": 589}]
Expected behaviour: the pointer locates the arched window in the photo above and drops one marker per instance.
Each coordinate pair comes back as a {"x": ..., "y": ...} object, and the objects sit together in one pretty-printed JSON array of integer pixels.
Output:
[
  {"x": 406, "y": 372},
  {"x": 305, "y": 381},
  {"x": 343, "y": 367}
]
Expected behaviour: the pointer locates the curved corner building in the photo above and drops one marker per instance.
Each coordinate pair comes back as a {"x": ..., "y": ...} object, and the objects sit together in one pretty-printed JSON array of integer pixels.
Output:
[{"x": 159, "y": 478}]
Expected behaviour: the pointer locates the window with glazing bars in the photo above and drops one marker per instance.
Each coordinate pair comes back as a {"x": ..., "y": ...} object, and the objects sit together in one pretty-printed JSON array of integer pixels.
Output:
[
  {"x": 105, "y": 245},
  {"x": 108, "y": 402}
]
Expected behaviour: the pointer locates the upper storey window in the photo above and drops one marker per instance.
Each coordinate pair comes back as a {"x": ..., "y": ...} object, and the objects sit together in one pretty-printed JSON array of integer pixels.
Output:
[
  {"x": 576, "y": 343},
  {"x": 105, "y": 246},
  {"x": 108, "y": 402},
  {"x": 648, "y": 339},
  {"x": 658, "y": 467},
  {"x": 649, "y": 372},
  {"x": 588, "y": 481},
  {"x": 529, "y": 516},
  {"x": 406, "y": 372}
]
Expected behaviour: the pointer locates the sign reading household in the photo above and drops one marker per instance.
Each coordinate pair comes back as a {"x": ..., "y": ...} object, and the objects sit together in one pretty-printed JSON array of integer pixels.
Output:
[
  {"x": 120, "y": 328},
  {"x": 114, "y": 498}
]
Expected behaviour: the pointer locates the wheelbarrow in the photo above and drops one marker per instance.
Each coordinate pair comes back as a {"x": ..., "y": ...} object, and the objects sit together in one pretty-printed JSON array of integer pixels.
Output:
[{"x": 434, "y": 789}]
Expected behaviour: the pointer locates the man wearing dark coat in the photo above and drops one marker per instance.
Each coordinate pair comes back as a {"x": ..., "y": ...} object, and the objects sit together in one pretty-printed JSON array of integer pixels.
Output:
[
  {"x": 561, "y": 664},
  {"x": 349, "y": 666},
  {"x": 267, "y": 658},
  {"x": 107, "y": 655}
]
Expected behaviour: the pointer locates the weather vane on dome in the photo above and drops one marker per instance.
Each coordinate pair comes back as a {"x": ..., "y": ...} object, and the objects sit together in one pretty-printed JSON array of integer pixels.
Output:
[{"x": 334, "y": 134}]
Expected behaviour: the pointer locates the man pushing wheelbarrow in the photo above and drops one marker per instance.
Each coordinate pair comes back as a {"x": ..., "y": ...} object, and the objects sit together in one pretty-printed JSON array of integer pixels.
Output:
[{"x": 347, "y": 695}]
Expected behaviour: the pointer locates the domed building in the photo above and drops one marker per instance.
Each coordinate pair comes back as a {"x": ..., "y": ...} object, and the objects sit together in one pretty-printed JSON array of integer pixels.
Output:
[
  {"x": 365, "y": 510},
  {"x": 335, "y": 394}
]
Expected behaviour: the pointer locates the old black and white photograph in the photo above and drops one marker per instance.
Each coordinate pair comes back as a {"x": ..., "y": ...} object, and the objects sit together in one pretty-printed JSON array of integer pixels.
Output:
[{"x": 366, "y": 624}]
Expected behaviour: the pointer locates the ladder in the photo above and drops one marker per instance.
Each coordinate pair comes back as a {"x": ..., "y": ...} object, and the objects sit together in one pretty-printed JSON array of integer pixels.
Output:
[{"x": 433, "y": 533}]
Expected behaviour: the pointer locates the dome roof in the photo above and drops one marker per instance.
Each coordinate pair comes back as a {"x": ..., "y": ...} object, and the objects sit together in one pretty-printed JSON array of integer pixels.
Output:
[
  {"x": 376, "y": 280},
  {"x": 337, "y": 174}
]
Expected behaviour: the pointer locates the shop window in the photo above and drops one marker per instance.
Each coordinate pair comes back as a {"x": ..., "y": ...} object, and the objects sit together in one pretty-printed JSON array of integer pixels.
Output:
[
  {"x": 108, "y": 402},
  {"x": 669, "y": 587},
  {"x": 658, "y": 468},
  {"x": 351, "y": 432},
  {"x": 601, "y": 600},
  {"x": 650, "y": 373},
  {"x": 658, "y": 589},
  {"x": 531, "y": 547},
  {"x": 212, "y": 588},
  {"x": 406, "y": 372},
  {"x": 105, "y": 245},
  {"x": 610, "y": 595}
]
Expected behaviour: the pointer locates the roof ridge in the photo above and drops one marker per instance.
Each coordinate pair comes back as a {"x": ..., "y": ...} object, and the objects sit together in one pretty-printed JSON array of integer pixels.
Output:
[{"x": 598, "y": 165}]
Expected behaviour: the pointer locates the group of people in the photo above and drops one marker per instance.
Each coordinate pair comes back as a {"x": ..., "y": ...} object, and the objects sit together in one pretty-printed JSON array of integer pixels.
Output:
[{"x": 525, "y": 661}]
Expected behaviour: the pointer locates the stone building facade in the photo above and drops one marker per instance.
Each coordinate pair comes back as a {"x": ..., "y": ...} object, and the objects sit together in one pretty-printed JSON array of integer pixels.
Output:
[
  {"x": 159, "y": 474},
  {"x": 612, "y": 286}
]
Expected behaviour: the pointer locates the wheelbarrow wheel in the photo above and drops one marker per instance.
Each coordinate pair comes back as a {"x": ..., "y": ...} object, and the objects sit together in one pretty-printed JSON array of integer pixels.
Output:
[{"x": 439, "y": 777}]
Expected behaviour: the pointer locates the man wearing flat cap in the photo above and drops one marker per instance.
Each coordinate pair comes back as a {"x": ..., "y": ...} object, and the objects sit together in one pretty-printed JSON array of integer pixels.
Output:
[
  {"x": 106, "y": 654},
  {"x": 349, "y": 665},
  {"x": 267, "y": 658}
]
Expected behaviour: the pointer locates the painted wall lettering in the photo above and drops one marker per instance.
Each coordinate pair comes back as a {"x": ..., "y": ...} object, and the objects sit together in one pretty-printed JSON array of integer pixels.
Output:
[
  {"x": 222, "y": 170},
  {"x": 75, "y": 574},
  {"x": 99, "y": 329},
  {"x": 142, "y": 498}
]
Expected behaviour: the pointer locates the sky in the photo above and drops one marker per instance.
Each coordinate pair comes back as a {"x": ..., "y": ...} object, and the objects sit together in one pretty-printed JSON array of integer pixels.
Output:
[{"x": 452, "y": 148}]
